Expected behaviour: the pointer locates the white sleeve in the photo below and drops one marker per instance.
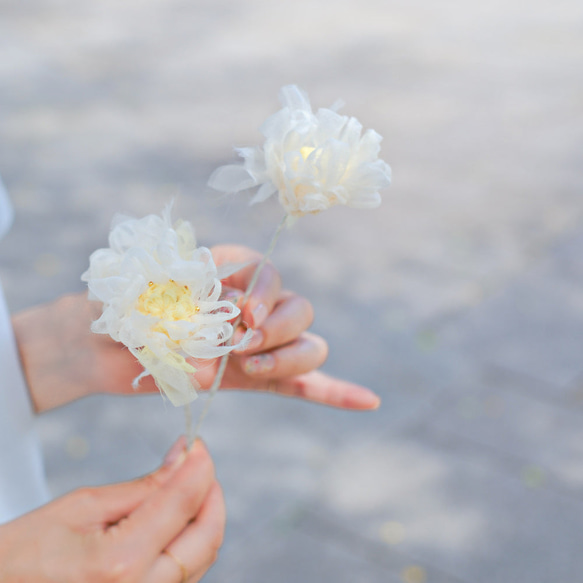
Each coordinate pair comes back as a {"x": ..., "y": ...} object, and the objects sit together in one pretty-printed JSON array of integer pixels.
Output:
[
  {"x": 5, "y": 211},
  {"x": 22, "y": 480}
]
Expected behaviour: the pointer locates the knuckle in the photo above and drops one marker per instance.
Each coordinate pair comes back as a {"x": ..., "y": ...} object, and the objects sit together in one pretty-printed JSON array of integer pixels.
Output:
[
  {"x": 323, "y": 351},
  {"x": 308, "y": 310},
  {"x": 122, "y": 570},
  {"x": 150, "y": 481},
  {"x": 106, "y": 567},
  {"x": 85, "y": 498},
  {"x": 269, "y": 270}
]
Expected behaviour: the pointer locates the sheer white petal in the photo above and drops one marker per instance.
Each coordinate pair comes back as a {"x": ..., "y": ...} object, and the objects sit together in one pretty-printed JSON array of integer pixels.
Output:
[
  {"x": 174, "y": 383},
  {"x": 264, "y": 192},
  {"x": 227, "y": 269},
  {"x": 161, "y": 298},
  {"x": 231, "y": 178},
  {"x": 293, "y": 97},
  {"x": 365, "y": 201},
  {"x": 313, "y": 161},
  {"x": 275, "y": 126},
  {"x": 254, "y": 162}
]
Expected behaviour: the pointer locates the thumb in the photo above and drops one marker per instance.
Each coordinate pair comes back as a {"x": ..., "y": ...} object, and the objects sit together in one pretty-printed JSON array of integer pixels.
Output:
[{"x": 119, "y": 500}]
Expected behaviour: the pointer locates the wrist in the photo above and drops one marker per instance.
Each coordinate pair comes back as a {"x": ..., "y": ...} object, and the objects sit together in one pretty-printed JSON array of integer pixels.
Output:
[
  {"x": 31, "y": 345},
  {"x": 41, "y": 336}
]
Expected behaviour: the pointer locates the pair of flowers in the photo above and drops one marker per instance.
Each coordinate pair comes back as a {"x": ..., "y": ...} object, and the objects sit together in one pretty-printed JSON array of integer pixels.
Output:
[{"x": 161, "y": 293}]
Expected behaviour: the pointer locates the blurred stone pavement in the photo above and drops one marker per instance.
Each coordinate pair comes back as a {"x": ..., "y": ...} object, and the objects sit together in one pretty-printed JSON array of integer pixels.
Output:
[{"x": 459, "y": 301}]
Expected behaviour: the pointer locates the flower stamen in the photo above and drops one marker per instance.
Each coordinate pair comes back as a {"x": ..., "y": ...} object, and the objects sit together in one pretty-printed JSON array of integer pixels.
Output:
[{"x": 168, "y": 301}]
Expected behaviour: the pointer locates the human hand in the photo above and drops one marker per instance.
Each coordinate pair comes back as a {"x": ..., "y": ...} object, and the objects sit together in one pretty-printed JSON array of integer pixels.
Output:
[
  {"x": 63, "y": 360},
  {"x": 282, "y": 356},
  {"x": 166, "y": 527}
]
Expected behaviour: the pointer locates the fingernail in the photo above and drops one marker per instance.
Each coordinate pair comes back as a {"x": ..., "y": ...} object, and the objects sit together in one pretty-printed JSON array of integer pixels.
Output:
[
  {"x": 198, "y": 444},
  {"x": 368, "y": 400},
  {"x": 259, "y": 364},
  {"x": 255, "y": 342},
  {"x": 259, "y": 315},
  {"x": 177, "y": 453},
  {"x": 376, "y": 402}
]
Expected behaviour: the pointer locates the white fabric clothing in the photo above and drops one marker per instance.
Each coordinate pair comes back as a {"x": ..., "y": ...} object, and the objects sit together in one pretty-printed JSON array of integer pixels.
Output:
[
  {"x": 22, "y": 481},
  {"x": 6, "y": 214}
]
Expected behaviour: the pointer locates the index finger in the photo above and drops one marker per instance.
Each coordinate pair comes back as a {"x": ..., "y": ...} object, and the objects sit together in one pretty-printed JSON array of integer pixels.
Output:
[
  {"x": 165, "y": 514},
  {"x": 321, "y": 388},
  {"x": 267, "y": 287}
]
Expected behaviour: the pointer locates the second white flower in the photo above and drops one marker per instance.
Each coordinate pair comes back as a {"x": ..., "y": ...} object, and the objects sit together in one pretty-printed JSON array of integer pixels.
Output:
[{"x": 312, "y": 160}]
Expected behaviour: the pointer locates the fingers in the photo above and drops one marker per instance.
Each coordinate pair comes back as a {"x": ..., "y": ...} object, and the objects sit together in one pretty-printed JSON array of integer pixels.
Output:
[
  {"x": 109, "y": 504},
  {"x": 277, "y": 317},
  {"x": 196, "y": 548},
  {"x": 327, "y": 390},
  {"x": 155, "y": 523},
  {"x": 281, "y": 356},
  {"x": 236, "y": 254},
  {"x": 263, "y": 297},
  {"x": 306, "y": 353},
  {"x": 291, "y": 316},
  {"x": 267, "y": 287}
]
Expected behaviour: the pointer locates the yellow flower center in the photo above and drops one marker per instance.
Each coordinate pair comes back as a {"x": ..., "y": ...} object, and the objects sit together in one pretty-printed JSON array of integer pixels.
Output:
[
  {"x": 306, "y": 151},
  {"x": 168, "y": 301}
]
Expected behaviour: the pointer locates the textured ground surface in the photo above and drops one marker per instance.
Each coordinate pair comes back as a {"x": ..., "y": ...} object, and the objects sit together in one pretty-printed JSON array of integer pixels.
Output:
[{"x": 460, "y": 301}]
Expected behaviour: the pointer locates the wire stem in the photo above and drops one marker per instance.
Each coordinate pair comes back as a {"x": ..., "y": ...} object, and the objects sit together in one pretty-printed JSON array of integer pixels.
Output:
[
  {"x": 188, "y": 424},
  {"x": 224, "y": 359}
]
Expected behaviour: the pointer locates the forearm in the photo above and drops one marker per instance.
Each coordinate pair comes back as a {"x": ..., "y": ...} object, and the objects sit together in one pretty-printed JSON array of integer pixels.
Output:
[{"x": 46, "y": 337}]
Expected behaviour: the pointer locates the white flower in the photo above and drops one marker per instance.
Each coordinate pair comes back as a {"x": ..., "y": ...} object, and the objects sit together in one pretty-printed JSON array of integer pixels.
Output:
[
  {"x": 314, "y": 161},
  {"x": 160, "y": 297}
]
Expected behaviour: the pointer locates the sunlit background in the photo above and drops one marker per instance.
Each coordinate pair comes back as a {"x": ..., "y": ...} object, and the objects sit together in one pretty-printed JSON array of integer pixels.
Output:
[{"x": 459, "y": 301}]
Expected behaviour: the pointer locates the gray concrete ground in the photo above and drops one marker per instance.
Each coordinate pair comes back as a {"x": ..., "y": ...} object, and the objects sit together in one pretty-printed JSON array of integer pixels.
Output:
[{"x": 459, "y": 300}]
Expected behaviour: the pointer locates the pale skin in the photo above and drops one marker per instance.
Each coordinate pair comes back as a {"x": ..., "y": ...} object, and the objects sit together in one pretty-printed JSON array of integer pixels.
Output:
[{"x": 121, "y": 532}]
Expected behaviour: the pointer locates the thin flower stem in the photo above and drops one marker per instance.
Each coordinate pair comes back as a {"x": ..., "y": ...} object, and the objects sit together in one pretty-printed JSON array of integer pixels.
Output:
[
  {"x": 212, "y": 392},
  {"x": 188, "y": 423},
  {"x": 224, "y": 359},
  {"x": 262, "y": 263}
]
